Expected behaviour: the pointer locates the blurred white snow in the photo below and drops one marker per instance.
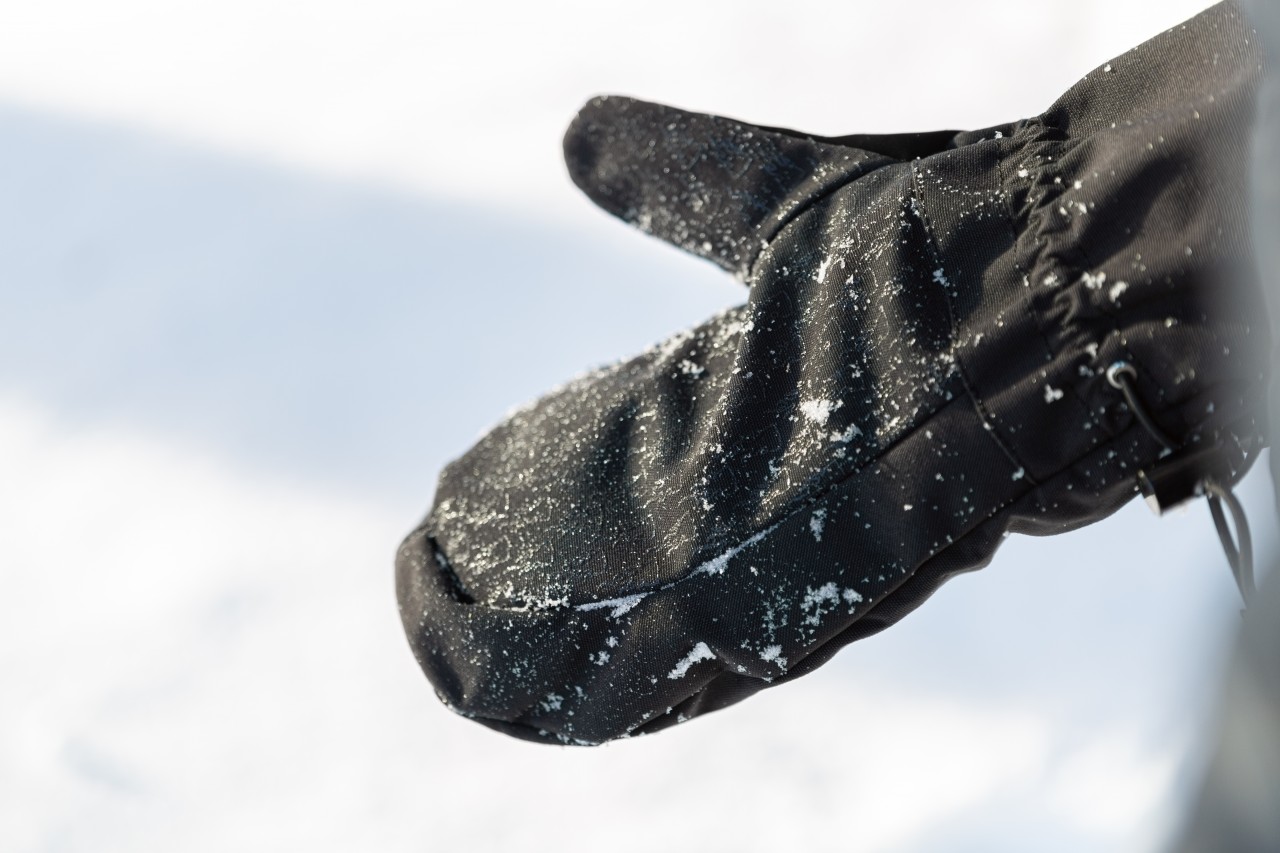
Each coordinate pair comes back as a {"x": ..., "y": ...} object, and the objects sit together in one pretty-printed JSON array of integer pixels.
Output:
[{"x": 264, "y": 268}]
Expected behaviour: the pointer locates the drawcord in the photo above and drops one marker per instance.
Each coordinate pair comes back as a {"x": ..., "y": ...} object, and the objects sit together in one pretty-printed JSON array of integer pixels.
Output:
[{"x": 1239, "y": 549}]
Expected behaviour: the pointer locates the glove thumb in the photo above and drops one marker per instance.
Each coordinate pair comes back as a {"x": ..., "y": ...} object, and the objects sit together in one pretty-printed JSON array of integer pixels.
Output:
[{"x": 713, "y": 186}]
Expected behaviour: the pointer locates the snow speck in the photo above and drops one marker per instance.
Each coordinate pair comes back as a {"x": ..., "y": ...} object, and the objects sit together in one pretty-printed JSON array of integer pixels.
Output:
[
  {"x": 828, "y": 592},
  {"x": 717, "y": 565},
  {"x": 700, "y": 652},
  {"x": 1052, "y": 395},
  {"x": 819, "y": 411},
  {"x": 814, "y": 599},
  {"x": 817, "y": 522},
  {"x": 818, "y": 602},
  {"x": 618, "y": 606},
  {"x": 1022, "y": 173},
  {"x": 773, "y": 654},
  {"x": 1117, "y": 289},
  {"x": 1051, "y": 280},
  {"x": 848, "y": 435},
  {"x": 908, "y": 507},
  {"x": 1094, "y": 281},
  {"x": 1107, "y": 68},
  {"x": 822, "y": 270},
  {"x": 688, "y": 368},
  {"x": 940, "y": 277},
  {"x": 1019, "y": 474}
]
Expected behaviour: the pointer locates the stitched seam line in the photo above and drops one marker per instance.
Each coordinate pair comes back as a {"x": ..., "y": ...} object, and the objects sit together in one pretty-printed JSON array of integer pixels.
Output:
[{"x": 988, "y": 422}]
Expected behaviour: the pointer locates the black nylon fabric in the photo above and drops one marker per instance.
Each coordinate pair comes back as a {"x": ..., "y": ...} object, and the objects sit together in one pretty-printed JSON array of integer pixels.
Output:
[{"x": 917, "y": 372}]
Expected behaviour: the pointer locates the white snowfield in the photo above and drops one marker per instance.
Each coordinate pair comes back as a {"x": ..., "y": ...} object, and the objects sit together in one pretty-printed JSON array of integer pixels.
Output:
[{"x": 263, "y": 271}]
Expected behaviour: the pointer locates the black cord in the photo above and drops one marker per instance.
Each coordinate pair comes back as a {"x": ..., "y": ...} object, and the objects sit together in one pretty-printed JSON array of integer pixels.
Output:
[
  {"x": 1238, "y": 548},
  {"x": 1241, "y": 559},
  {"x": 1121, "y": 375}
]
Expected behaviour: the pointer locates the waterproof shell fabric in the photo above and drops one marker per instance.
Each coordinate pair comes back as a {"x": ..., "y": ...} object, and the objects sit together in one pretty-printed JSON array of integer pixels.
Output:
[{"x": 918, "y": 371}]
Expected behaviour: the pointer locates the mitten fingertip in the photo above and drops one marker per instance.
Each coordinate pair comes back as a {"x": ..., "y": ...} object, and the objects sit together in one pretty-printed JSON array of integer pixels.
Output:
[{"x": 590, "y": 157}]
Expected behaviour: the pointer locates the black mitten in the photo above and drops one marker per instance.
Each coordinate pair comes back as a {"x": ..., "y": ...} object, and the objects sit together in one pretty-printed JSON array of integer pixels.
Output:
[{"x": 918, "y": 371}]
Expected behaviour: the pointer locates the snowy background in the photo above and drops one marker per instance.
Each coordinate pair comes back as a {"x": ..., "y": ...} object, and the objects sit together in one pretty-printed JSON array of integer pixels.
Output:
[{"x": 266, "y": 266}]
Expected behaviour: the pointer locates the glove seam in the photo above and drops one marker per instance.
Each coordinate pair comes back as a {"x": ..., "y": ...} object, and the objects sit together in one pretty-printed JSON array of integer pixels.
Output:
[{"x": 984, "y": 416}]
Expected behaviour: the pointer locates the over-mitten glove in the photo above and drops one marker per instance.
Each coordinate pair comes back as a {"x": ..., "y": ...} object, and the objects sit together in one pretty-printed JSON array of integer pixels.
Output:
[{"x": 920, "y": 369}]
